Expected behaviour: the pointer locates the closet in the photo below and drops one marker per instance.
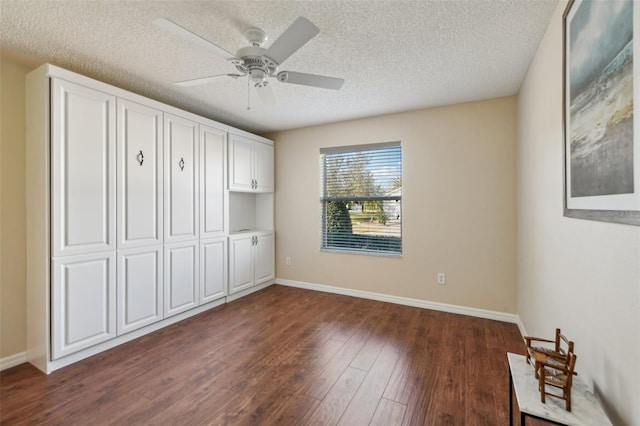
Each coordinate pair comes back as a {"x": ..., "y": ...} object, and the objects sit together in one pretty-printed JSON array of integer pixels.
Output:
[{"x": 131, "y": 209}]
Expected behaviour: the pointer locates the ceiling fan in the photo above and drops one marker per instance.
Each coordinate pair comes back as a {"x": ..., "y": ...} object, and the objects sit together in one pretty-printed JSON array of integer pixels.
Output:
[{"x": 257, "y": 63}]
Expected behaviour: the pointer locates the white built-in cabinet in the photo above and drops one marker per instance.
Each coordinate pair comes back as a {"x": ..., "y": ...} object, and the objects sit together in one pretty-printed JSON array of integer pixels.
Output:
[
  {"x": 251, "y": 260},
  {"x": 181, "y": 277},
  {"x": 140, "y": 288},
  {"x": 83, "y": 124},
  {"x": 83, "y": 301},
  {"x": 213, "y": 269},
  {"x": 250, "y": 164},
  {"x": 213, "y": 191},
  {"x": 181, "y": 195},
  {"x": 138, "y": 215},
  {"x": 251, "y": 238},
  {"x": 264, "y": 254},
  {"x": 139, "y": 175},
  {"x": 263, "y": 167}
]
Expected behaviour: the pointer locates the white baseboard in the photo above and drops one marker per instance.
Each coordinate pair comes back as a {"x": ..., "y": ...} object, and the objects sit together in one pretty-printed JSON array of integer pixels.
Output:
[
  {"x": 13, "y": 360},
  {"x": 523, "y": 332},
  {"x": 425, "y": 304}
]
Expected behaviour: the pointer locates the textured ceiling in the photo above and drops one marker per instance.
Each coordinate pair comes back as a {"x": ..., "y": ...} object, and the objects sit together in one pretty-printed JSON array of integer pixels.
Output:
[{"x": 394, "y": 55}]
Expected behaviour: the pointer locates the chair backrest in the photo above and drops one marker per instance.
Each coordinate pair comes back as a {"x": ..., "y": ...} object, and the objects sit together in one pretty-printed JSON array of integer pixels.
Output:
[{"x": 563, "y": 345}]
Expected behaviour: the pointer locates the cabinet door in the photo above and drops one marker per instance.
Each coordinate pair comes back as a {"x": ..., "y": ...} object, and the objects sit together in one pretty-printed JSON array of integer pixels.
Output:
[
  {"x": 180, "y": 278},
  {"x": 83, "y": 123},
  {"x": 240, "y": 262},
  {"x": 213, "y": 156},
  {"x": 180, "y": 179},
  {"x": 240, "y": 163},
  {"x": 264, "y": 167},
  {"x": 83, "y": 302},
  {"x": 139, "y": 288},
  {"x": 213, "y": 269},
  {"x": 265, "y": 258},
  {"x": 139, "y": 175}
]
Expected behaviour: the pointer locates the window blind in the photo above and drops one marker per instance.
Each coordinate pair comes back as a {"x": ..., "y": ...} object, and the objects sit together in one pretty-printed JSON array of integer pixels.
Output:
[{"x": 361, "y": 198}]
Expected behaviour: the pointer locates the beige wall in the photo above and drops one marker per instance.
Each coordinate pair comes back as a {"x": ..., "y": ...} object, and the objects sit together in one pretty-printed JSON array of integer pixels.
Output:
[
  {"x": 458, "y": 206},
  {"x": 582, "y": 276},
  {"x": 12, "y": 205}
]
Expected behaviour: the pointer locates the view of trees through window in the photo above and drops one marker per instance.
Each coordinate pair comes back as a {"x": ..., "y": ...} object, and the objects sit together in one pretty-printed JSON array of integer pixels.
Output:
[{"x": 361, "y": 199}]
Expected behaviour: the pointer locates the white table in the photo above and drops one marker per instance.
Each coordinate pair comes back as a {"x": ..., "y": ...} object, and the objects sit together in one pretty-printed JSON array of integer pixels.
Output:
[{"x": 585, "y": 409}]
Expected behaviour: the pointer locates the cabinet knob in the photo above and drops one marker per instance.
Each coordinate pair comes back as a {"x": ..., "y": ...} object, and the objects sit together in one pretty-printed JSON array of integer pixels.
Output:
[
  {"x": 181, "y": 164},
  {"x": 140, "y": 157}
]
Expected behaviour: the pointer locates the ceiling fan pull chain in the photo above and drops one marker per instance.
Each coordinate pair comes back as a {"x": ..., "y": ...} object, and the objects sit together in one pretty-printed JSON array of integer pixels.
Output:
[{"x": 248, "y": 96}]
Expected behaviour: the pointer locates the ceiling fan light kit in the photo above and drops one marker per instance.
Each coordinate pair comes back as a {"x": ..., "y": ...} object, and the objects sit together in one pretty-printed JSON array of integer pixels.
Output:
[{"x": 257, "y": 63}]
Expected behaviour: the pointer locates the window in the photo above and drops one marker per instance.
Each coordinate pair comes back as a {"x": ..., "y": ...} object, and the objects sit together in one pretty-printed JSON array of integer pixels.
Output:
[{"x": 361, "y": 199}]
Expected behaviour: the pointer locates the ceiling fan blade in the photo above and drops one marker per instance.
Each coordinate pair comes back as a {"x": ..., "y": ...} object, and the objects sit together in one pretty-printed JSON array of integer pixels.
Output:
[
  {"x": 297, "y": 35},
  {"x": 304, "y": 79},
  {"x": 177, "y": 30},
  {"x": 205, "y": 80},
  {"x": 265, "y": 93}
]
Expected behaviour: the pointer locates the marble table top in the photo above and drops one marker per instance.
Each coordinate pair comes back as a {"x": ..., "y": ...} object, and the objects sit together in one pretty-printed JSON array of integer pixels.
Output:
[{"x": 585, "y": 409}]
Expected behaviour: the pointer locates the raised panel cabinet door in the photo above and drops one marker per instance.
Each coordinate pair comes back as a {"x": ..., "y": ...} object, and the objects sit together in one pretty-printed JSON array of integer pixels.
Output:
[
  {"x": 213, "y": 158},
  {"x": 265, "y": 258},
  {"x": 180, "y": 278},
  {"x": 213, "y": 269},
  {"x": 180, "y": 179},
  {"x": 83, "y": 135},
  {"x": 264, "y": 167},
  {"x": 139, "y": 175},
  {"x": 240, "y": 262},
  {"x": 84, "y": 302},
  {"x": 139, "y": 288},
  {"x": 241, "y": 176}
]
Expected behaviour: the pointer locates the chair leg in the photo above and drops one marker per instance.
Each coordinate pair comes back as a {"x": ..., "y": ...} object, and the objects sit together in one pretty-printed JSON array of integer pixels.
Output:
[
  {"x": 568, "y": 396},
  {"x": 541, "y": 385}
]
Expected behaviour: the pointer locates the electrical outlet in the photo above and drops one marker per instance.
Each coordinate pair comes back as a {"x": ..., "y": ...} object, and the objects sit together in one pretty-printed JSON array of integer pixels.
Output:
[
  {"x": 441, "y": 278},
  {"x": 287, "y": 260}
]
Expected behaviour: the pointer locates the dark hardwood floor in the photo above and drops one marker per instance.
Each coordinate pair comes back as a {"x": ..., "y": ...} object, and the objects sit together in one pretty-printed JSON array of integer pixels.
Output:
[{"x": 284, "y": 356}]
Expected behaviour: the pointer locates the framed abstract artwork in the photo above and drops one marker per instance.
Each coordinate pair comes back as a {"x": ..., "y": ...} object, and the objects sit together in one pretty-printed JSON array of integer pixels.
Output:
[{"x": 601, "y": 129}]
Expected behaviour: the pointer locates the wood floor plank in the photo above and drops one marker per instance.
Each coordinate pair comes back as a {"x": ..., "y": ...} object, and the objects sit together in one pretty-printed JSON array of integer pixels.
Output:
[
  {"x": 367, "y": 354},
  {"x": 332, "y": 407},
  {"x": 412, "y": 357},
  {"x": 388, "y": 413},
  {"x": 481, "y": 408},
  {"x": 363, "y": 405},
  {"x": 283, "y": 356}
]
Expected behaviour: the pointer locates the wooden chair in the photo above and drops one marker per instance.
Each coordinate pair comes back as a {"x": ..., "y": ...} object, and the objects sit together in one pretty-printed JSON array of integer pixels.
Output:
[
  {"x": 562, "y": 346},
  {"x": 558, "y": 374}
]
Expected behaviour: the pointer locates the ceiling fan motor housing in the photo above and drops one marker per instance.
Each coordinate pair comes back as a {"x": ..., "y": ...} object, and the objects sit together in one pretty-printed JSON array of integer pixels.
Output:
[{"x": 255, "y": 36}]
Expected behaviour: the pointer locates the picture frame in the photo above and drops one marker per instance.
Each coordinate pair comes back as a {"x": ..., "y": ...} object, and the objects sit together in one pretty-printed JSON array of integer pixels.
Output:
[{"x": 601, "y": 131}]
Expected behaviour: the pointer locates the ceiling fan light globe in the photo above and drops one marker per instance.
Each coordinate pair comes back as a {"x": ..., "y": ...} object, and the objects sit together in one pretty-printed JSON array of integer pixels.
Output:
[{"x": 257, "y": 76}]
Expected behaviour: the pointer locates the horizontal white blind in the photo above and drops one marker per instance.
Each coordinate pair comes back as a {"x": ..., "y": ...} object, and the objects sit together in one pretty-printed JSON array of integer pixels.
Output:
[{"x": 361, "y": 198}]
